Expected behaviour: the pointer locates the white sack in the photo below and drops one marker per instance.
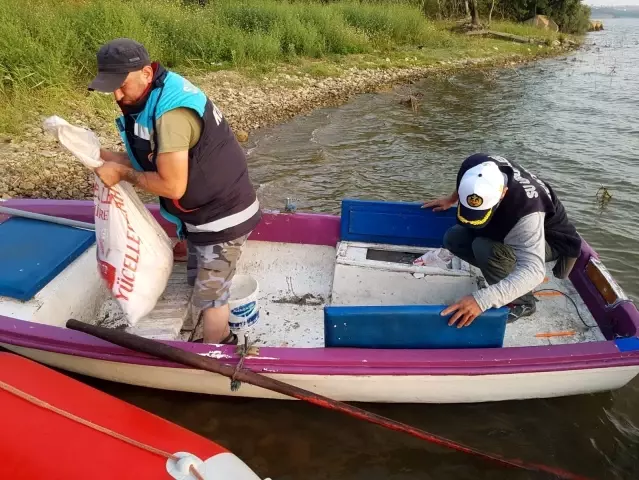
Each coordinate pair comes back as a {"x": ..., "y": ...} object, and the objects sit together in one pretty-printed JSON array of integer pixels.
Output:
[{"x": 134, "y": 253}]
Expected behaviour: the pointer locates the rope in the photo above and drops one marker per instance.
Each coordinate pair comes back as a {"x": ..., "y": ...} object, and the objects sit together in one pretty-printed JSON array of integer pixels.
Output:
[
  {"x": 87, "y": 423},
  {"x": 235, "y": 384},
  {"x": 243, "y": 352}
]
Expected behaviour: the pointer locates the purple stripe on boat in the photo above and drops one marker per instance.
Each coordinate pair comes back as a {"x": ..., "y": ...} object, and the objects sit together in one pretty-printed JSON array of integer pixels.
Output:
[
  {"x": 348, "y": 361},
  {"x": 306, "y": 228}
]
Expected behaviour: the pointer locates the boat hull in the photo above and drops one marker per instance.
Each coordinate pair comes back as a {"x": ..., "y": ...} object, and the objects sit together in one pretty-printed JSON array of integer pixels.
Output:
[
  {"x": 357, "y": 388},
  {"x": 55, "y": 426}
]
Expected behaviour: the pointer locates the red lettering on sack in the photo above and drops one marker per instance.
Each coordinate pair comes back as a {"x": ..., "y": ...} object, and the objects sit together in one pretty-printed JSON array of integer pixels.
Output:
[
  {"x": 101, "y": 214},
  {"x": 125, "y": 281},
  {"x": 134, "y": 260},
  {"x": 101, "y": 193},
  {"x": 123, "y": 289},
  {"x": 107, "y": 272},
  {"x": 128, "y": 278}
]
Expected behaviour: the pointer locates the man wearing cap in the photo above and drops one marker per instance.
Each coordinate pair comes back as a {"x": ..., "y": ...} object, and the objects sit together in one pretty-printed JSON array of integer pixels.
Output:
[
  {"x": 180, "y": 147},
  {"x": 509, "y": 223}
]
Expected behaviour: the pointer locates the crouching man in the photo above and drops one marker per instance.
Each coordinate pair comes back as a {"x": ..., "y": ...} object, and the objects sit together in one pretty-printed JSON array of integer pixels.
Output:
[{"x": 509, "y": 223}]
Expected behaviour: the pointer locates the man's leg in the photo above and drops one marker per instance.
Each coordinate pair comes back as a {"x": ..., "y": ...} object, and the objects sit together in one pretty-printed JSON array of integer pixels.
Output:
[
  {"x": 191, "y": 263},
  {"x": 496, "y": 261},
  {"x": 216, "y": 268},
  {"x": 563, "y": 267},
  {"x": 459, "y": 241},
  {"x": 191, "y": 275},
  {"x": 216, "y": 325}
]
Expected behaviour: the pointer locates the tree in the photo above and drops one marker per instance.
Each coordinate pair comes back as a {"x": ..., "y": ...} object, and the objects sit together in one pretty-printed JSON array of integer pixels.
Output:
[
  {"x": 474, "y": 12},
  {"x": 490, "y": 14}
]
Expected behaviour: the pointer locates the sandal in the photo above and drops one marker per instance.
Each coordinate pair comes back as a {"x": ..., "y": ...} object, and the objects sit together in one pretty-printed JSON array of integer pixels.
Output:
[{"x": 230, "y": 340}]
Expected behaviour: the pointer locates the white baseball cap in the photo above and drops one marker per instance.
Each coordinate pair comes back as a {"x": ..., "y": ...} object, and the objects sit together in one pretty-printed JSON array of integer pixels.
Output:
[{"x": 480, "y": 190}]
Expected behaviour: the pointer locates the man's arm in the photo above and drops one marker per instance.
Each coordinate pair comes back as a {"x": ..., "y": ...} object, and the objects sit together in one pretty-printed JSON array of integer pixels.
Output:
[
  {"x": 443, "y": 203},
  {"x": 528, "y": 240},
  {"x": 178, "y": 130},
  {"x": 117, "y": 157},
  {"x": 169, "y": 181}
]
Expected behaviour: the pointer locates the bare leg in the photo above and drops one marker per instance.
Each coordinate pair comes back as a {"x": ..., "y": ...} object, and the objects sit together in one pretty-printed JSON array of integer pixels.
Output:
[
  {"x": 216, "y": 324},
  {"x": 211, "y": 268}
]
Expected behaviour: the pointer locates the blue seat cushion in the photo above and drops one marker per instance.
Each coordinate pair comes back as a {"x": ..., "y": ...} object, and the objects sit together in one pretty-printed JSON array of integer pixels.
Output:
[
  {"x": 409, "y": 326},
  {"x": 394, "y": 223},
  {"x": 33, "y": 252}
]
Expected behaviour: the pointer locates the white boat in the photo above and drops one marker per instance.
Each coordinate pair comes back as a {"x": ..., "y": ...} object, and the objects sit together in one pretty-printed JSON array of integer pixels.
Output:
[{"x": 343, "y": 313}]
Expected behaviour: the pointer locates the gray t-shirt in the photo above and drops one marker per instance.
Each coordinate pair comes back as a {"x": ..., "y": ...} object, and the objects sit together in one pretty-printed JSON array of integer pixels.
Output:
[{"x": 528, "y": 240}]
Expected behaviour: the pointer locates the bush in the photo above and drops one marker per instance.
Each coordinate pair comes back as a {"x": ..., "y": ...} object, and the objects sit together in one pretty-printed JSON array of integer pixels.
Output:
[
  {"x": 48, "y": 47},
  {"x": 45, "y": 42}
]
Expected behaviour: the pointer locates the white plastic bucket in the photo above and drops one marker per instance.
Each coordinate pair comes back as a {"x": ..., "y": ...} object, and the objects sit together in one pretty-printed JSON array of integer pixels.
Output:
[{"x": 245, "y": 309}]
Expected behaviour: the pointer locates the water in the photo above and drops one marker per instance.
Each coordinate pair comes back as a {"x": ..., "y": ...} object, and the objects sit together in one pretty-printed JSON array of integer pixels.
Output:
[{"x": 574, "y": 122}]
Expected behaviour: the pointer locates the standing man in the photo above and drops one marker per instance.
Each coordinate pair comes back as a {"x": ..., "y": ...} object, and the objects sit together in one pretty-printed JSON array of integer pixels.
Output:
[
  {"x": 509, "y": 223},
  {"x": 180, "y": 147}
]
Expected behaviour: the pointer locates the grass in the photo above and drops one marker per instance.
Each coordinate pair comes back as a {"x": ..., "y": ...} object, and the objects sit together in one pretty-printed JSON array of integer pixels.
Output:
[{"x": 47, "y": 47}]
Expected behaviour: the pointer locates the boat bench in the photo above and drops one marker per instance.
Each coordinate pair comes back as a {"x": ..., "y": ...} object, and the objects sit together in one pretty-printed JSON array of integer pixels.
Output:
[
  {"x": 381, "y": 300},
  {"x": 170, "y": 317},
  {"x": 34, "y": 252},
  {"x": 171, "y": 314}
]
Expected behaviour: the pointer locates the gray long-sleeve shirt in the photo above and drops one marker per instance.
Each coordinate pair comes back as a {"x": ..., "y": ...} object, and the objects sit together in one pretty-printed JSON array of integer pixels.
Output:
[{"x": 528, "y": 241}]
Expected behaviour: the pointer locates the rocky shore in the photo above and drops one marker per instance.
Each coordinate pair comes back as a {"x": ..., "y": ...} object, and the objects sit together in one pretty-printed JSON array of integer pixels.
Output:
[{"x": 35, "y": 166}]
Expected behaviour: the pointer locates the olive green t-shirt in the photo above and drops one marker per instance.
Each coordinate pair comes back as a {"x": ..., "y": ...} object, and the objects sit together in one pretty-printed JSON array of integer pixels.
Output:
[{"x": 178, "y": 130}]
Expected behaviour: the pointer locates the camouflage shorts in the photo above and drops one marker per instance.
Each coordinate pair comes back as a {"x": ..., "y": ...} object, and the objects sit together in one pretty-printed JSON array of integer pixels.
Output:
[{"x": 210, "y": 269}]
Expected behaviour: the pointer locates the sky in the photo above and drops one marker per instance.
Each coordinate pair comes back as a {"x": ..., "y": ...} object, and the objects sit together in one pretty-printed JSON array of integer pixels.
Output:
[{"x": 608, "y": 3}]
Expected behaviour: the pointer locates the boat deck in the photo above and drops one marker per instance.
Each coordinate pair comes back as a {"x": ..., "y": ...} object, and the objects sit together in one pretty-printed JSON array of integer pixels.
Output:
[{"x": 296, "y": 281}]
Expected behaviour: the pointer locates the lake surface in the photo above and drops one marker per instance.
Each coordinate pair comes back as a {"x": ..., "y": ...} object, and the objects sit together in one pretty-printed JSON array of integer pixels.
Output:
[{"x": 573, "y": 121}]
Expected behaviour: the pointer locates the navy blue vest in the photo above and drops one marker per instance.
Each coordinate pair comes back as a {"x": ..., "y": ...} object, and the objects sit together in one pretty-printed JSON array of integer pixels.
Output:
[{"x": 526, "y": 194}]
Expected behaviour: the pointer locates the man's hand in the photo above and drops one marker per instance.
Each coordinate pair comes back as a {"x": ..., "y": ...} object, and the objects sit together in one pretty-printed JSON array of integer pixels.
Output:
[
  {"x": 111, "y": 173},
  {"x": 117, "y": 157},
  {"x": 443, "y": 203},
  {"x": 466, "y": 310}
]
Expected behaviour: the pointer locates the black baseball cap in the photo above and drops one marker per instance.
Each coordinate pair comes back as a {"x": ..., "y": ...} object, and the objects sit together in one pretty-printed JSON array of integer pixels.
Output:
[{"x": 116, "y": 60}]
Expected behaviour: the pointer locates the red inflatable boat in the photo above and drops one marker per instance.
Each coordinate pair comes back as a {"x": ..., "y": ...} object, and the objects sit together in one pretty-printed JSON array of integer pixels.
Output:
[{"x": 58, "y": 428}]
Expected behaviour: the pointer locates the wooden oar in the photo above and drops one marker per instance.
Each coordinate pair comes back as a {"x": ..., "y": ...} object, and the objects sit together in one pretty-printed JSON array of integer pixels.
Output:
[{"x": 168, "y": 352}]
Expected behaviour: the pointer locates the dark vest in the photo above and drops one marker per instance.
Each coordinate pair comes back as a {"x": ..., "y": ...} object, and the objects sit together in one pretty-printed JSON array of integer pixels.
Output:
[
  {"x": 218, "y": 180},
  {"x": 527, "y": 194}
]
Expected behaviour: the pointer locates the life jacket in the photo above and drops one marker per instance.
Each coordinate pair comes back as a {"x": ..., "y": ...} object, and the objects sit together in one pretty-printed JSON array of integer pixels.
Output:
[
  {"x": 220, "y": 203},
  {"x": 526, "y": 194}
]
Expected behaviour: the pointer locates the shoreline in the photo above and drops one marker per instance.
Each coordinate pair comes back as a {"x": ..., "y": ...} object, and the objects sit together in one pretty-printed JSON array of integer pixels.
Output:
[{"x": 36, "y": 166}]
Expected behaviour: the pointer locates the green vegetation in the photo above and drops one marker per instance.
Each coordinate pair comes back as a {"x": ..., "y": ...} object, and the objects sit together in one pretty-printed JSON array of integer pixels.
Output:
[
  {"x": 47, "y": 47},
  {"x": 523, "y": 30},
  {"x": 572, "y": 16}
]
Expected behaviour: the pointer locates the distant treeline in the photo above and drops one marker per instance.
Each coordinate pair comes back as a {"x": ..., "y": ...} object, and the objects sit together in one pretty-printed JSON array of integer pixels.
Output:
[
  {"x": 616, "y": 12},
  {"x": 572, "y": 16}
]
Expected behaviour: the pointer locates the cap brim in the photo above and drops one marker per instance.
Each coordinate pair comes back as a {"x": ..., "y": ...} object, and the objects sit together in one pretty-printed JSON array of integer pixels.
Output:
[
  {"x": 474, "y": 218},
  {"x": 107, "y": 82}
]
